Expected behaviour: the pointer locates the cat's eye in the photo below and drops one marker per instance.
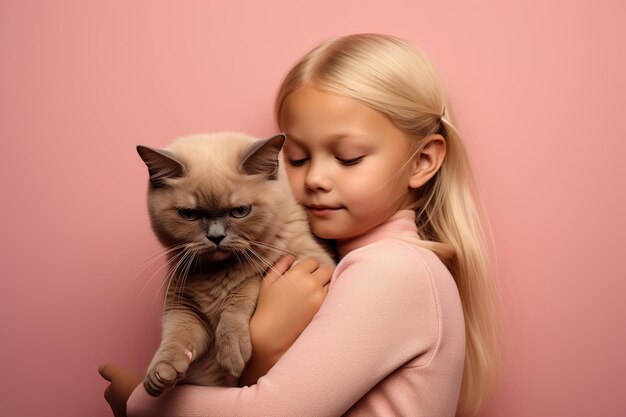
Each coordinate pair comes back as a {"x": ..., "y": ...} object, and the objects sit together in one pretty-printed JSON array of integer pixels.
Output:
[
  {"x": 189, "y": 214},
  {"x": 351, "y": 161},
  {"x": 241, "y": 211}
]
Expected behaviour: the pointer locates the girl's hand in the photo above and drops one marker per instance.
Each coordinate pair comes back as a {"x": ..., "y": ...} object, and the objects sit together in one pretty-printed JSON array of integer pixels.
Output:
[
  {"x": 288, "y": 300},
  {"x": 123, "y": 383}
]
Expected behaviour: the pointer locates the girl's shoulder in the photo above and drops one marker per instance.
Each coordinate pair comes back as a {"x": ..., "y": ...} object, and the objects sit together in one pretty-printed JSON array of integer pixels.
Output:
[
  {"x": 399, "y": 250},
  {"x": 395, "y": 256}
]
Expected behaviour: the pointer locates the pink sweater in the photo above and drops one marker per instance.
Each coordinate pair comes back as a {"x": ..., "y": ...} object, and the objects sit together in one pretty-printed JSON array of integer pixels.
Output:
[{"x": 389, "y": 340}]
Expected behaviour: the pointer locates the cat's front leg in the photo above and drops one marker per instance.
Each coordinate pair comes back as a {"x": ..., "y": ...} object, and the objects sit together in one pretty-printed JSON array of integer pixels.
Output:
[
  {"x": 233, "y": 343},
  {"x": 184, "y": 338},
  {"x": 232, "y": 335}
]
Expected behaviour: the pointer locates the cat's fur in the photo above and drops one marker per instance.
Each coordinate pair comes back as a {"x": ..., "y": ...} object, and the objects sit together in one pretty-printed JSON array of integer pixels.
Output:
[{"x": 213, "y": 289}]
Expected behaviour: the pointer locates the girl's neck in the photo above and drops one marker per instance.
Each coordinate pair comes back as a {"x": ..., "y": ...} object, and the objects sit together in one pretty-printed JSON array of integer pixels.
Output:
[{"x": 401, "y": 224}]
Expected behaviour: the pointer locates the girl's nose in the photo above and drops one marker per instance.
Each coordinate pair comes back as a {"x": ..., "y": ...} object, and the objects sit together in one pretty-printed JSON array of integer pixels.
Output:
[{"x": 317, "y": 179}]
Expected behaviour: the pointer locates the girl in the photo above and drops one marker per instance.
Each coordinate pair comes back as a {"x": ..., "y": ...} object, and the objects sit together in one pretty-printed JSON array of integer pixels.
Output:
[{"x": 407, "y": 326}]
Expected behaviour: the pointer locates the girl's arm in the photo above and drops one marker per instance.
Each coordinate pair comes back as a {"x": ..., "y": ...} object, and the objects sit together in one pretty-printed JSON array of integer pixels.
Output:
[
  {"x": 286, "y": 305},
  {"x": 288, "y": 300},
  {"x": 379, "y": 313}
]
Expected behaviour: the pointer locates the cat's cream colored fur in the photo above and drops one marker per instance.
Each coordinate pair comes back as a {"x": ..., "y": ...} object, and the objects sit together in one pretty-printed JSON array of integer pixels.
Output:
[{"x": 199, "y": 188}]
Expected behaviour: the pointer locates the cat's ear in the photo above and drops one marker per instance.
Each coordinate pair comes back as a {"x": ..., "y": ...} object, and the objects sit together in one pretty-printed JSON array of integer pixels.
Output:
[
  {"x": 161, "y": 164},
  {"x": 262, "y": 157}
]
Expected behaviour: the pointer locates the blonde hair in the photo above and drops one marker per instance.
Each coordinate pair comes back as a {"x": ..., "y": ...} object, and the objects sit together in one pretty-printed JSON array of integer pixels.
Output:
[{"x": 393, "y": 77}]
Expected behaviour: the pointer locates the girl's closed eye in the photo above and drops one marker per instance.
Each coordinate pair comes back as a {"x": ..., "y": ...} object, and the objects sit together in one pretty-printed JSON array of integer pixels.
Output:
[
  {"x": 296, "y": 162},
  {"x": 350, "y": 161},
  {"x": 344, "y": 161},
  {"x": 294, "y": 155}
]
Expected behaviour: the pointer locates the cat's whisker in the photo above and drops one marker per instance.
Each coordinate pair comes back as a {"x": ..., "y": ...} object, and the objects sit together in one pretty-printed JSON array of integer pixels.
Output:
[
  {"x": 271, "y": 267},
  {"x": 150, "y": 260},
  {"x": 167, "y": 279},
  {"x": 173, "y": 296},
  {"x": 171, "y": 277},
  {"x": 168, "y": 263},
  {"x": 179, "y": 273},
  {"x": 184, "y": 275},
  {"x": 251, "y": 261},
  {"x": 263, "y": 260},
  {"x": 239, "y": 258},
  {"x": 170, "y": 295},
  {"x": 271, "y": 247}
]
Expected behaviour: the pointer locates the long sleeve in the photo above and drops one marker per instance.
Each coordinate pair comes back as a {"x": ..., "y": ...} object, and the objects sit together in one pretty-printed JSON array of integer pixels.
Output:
[{"x": 381, "y": 312}]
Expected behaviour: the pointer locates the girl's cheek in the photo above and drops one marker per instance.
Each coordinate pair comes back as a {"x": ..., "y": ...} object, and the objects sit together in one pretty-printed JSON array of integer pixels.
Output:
[{"x": 296, "y": 182}]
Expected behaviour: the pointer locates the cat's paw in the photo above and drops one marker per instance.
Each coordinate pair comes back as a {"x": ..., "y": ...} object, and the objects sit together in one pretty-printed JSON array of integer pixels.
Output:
[
  {"x": 234, "y": 350},
  {"x": 165, "y": 373}
]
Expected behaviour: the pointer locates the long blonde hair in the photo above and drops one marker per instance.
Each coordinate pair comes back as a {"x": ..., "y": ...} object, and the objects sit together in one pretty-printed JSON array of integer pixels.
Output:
[{"x": 394, "y": 77}]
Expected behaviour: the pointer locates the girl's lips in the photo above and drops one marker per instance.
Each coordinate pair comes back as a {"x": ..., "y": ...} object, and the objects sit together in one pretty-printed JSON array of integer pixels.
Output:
[{"x": 322, "y": 210}]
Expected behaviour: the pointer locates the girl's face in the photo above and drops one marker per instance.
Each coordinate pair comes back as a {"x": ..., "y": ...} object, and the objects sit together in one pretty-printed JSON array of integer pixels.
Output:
[{"x": 346, "y": 162}]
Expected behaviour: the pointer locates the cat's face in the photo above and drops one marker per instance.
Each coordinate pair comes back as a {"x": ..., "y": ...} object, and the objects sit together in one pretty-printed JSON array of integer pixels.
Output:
[{"x": 214, "y": 196}]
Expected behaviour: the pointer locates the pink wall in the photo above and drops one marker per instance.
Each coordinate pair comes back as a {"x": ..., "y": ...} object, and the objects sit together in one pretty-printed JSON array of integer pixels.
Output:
[{"x": 539, "y": 92}]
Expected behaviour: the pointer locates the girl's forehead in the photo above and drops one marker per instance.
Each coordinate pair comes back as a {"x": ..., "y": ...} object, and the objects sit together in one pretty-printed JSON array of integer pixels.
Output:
[
  {"x": 313, "y": 111},
  {"x": 307, "y": 102}
]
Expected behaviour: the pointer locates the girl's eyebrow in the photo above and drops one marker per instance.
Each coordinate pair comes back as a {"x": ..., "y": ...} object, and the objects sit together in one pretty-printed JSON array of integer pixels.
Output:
[
  {"x": 292, "y": 137},
  {"x": 334, "y": 137}
]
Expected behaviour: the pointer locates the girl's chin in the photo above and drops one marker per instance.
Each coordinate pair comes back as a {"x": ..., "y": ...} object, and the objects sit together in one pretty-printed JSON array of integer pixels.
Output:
[{"x": 326, "y": 232}]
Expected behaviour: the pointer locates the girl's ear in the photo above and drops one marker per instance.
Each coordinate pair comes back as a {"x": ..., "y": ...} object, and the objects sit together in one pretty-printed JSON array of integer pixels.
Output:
[{"x": 427, "y": 162}]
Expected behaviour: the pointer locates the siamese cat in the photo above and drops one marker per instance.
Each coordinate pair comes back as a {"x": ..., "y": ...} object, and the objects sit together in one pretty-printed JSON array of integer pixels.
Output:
[{"x": 221, "y": 205}]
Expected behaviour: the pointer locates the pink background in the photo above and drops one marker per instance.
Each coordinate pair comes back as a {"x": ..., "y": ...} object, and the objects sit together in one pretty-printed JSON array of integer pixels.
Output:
[{"x": 539, "y": 93}]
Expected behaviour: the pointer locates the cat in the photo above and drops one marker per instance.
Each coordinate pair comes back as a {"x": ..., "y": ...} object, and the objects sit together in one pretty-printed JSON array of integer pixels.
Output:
[{"x": 222, "y": 207}]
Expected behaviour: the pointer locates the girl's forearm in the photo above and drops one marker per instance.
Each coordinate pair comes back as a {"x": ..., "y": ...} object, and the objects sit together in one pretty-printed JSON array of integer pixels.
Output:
[
  {"x": 264, "y": 354},
  {"x": 258, "y": 365}
]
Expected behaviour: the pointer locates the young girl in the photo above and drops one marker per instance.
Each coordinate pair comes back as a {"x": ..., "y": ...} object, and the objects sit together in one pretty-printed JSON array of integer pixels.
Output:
[{"x": 407, "y": 326}]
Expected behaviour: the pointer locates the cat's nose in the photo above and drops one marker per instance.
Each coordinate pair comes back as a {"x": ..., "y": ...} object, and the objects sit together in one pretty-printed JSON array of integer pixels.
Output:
[{"x": 216, "y": 239}]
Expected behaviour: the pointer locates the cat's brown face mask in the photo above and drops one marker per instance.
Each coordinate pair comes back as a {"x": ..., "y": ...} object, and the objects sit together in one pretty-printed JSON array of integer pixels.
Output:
[{"x": 211, "y": 198}]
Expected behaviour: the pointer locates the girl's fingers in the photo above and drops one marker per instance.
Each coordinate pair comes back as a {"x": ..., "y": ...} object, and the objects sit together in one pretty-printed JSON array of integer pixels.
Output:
[
  {"x": 108, "y": 371},
  {"x": 308, "y": 265},
  {"x": 324, "y": 273},
  {"x": 281, "y": 266}
]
